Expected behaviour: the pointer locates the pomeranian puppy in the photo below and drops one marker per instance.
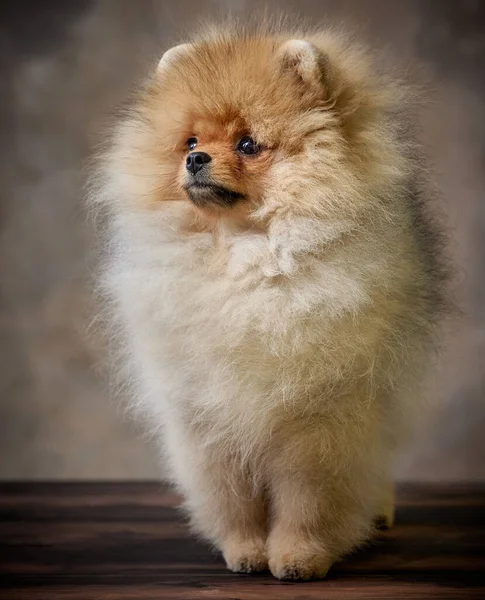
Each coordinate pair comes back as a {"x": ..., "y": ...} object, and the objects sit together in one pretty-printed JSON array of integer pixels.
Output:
[{"x": 274, "y": 284}]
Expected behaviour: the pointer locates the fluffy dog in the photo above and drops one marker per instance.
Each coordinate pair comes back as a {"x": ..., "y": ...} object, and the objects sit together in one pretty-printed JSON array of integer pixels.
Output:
[{"x": 274, "y": 285}]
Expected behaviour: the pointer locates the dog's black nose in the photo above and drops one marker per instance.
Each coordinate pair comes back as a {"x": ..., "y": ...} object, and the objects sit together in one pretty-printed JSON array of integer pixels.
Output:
[{"x": 196, "y": 160}]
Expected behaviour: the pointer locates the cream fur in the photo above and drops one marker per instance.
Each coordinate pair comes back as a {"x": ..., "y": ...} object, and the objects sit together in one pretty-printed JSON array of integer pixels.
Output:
[{"x": 273, "y": 349}]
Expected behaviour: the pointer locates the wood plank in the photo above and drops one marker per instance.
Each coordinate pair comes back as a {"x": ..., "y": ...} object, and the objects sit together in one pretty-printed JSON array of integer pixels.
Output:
[{"x": 105, "y": 541}]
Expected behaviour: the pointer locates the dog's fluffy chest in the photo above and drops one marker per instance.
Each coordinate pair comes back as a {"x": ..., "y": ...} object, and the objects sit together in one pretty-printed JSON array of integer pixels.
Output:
[
  {"x": 239, "y": 291},
  {"x": 220, "y": 328}
]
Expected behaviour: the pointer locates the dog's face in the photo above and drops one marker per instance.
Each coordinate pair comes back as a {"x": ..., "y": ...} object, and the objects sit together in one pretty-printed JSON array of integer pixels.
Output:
[
  {"x": 227, "y": 124},
  {"x": 235, "y": 107},
  {"x": 224, "y": 113},
  {"x": 222, "y": 164}
]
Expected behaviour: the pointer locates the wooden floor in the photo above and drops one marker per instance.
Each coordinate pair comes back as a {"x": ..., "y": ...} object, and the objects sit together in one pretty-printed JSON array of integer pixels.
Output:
[{"x": 108, "y": 541}]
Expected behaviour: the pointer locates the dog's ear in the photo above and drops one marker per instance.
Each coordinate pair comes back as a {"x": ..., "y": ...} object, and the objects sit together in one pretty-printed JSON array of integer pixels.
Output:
[
  {"x": 171, "y": 56},
  {"x": 309, "y": 64}
]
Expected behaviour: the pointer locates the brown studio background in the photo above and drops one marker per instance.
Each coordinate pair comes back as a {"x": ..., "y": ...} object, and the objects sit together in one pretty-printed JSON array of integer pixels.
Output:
[{"x": 64, "y": 66}]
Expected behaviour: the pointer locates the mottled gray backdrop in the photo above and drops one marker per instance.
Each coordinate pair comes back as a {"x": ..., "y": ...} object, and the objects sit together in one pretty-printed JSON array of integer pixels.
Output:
[{"x": 64, "y": 66}]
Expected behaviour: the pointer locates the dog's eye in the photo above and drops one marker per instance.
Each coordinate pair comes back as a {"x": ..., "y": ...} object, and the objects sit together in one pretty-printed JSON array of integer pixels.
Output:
[
  {"x": 192, "y": 143},
  {"x": 248, "y": 146}
]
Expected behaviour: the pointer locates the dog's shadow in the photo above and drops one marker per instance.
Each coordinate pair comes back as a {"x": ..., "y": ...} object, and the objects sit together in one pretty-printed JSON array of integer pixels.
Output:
[{"x": 438, "y": 544}]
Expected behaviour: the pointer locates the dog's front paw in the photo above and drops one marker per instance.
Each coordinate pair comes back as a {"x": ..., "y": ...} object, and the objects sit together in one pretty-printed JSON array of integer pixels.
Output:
[
  {"x": 296, "y": 566},
  {"x": 245, "y": 556},
  {"x": 295, "y": 559}
]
